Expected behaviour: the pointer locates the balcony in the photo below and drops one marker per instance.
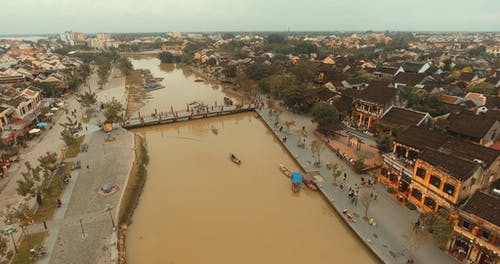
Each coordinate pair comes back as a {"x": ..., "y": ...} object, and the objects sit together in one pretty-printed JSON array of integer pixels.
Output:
[{"x": 402, "y": 165}]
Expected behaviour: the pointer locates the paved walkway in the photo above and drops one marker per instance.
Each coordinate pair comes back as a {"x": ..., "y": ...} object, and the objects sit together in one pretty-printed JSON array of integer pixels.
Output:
[{"x": 389, "y": 237}]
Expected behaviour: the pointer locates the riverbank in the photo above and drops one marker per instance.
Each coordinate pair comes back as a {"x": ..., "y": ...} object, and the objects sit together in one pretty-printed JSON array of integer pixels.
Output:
[
  {"x": 131, "y": 194},
  {"x": 389, "y": 239}
]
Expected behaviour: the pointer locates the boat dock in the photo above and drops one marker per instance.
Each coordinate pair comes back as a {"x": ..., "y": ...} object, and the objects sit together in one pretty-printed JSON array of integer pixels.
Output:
[{"x": 177, "y": 116}]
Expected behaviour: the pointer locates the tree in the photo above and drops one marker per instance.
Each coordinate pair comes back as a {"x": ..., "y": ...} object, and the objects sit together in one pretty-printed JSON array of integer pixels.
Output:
[
  {"x": 3, "y": 246},
  {"x": 70, "y": 131},
  {"x": 325, "y": 114},
  {"x": 48, "y": 161},
  {"x": 484, "y": 88},
  {"x": 276, "y": 38},
  {"x": 304, "y": 71},
  {"x": 288, "y": 124},
  {"x": 317, "y": 146},
  {"x": 276, "y": 84},
  {"x": 335, "y": 170},
  {"x": 87, "y": 99},
  {"x": 304, "y": 47},
  {"x": 271, "y": 104},
  {"x": 230, "y": 71},
  {"x": 384, "y": 144},
  {"x": 125, "y": 66},
  {"x": 30, "y": 183},
  {"x": 359, "y": 165},
  {"x": 113, "y": 111},
  {"x": 365, "y": 199},
  {"x": 441, "y": 229},
  {"x": 20, "y": 215},
  {"x": 166, "y": 57}
]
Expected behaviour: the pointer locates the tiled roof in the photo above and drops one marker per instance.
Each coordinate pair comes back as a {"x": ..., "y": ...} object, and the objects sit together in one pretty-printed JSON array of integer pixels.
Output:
[
  {"x": 386, "y": 70},
  {"x": 409, "y": 78},
  {"x": 412, "y": 67},
  {"x": 421, "y": 138},
  {"x": 448, "y": 99},
  {"x": 470, "y": 124},
  {"x": 377, "y": 94},
  {"x": 459, "y": 168},
  {"x": 485, "y": 206},
  {"x": 403, "y": 117},
  {"x": 469, "y": 151}
]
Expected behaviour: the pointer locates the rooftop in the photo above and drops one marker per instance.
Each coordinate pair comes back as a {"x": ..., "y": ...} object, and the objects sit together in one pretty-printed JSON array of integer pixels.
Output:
[
  {"x": 459, "y": 168},
  {"x": 421, "y": 138},
  {"x": 402, "y": 116},
  {"x": 485, "y": 206}
]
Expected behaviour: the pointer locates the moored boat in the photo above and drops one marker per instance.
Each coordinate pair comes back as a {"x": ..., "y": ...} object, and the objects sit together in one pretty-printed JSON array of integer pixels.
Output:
[
  {"x": 285, "y": 171},
  {"x": 234, "y": 159},
  {"x": 199, "y": 79}
]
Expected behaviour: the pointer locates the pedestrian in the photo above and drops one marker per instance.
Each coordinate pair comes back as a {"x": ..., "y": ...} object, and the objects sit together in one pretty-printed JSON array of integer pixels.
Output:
[
  {"x": 88, "y": 166},
  {"x": 417, "y": 224},
  {"x": 303, "y": 128},
  {"x": 362, "y": 180},
  {"x": 342, "y": 186},
  {"x": 375, "y": 197},
  {"x": 85, "y": 128},
  {"x": 345, "y": 176},
  {"x": 281, "y": 128}
]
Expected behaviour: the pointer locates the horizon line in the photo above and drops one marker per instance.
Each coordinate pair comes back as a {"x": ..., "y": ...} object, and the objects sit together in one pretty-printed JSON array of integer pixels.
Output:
[{"x": 255, "y": 31}]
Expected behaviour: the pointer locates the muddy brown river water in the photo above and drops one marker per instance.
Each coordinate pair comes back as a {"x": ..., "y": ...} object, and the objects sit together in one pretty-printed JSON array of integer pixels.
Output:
[{"x": 199, "y": 207}]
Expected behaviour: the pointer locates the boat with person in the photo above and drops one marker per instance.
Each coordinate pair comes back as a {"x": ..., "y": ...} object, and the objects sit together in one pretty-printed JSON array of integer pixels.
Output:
[
  {"x": 285, "y": 171},
  {"x": 215, "y": 130},
  {"x": 234, "y": 159}
]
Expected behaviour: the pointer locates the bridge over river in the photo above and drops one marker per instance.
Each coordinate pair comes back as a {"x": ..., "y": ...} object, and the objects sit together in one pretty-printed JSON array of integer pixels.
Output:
[{"x": 176, "y": 116}]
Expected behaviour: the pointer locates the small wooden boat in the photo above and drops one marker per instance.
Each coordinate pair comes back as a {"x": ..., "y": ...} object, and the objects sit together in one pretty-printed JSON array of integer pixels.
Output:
[
  {"x": 308, "y": 180},
  {"x": 285, "y": 171},
  {"x": 215, "y": 130},
  {"x": 234, "y": 159},
  {"x": 199, "y": 79}
]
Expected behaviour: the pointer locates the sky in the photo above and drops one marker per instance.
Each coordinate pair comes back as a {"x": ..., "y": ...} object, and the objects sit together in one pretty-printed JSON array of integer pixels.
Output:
[{"x": 90, "y": 16}]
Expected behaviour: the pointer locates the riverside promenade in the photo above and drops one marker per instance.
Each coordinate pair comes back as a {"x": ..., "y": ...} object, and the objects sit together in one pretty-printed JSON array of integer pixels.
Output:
[{"x": 392, "y": 239}]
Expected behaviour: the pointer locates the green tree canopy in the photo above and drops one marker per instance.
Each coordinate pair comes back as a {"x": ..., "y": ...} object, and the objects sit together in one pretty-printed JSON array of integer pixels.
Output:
[
  {"x": 384, "y": 144},
  {"x": 276, "y": 38},
  {"x": 305, "y": 71},
  {"x": 87, "y": 99},
  {"x": 113, "y": 111},
  {"x": 166, "y": 57},
  {"x": 485, "y": 88},
  {"x": 325, "y": 114}
]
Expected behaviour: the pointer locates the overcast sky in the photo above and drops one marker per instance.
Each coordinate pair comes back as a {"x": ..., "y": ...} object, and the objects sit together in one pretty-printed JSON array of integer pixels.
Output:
[{"x": 55, "y": 16}]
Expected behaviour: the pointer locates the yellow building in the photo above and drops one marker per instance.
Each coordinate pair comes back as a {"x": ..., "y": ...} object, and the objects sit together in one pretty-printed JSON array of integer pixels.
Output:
[{"x": 479, "y": 230}]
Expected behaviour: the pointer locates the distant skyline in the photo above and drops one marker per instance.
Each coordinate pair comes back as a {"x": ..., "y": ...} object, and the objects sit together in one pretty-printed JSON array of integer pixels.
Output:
[{"x": 22, "y": 17}]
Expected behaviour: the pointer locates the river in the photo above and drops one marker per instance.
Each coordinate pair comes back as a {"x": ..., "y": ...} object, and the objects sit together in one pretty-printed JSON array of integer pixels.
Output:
[{"x": 199, "y": 207}]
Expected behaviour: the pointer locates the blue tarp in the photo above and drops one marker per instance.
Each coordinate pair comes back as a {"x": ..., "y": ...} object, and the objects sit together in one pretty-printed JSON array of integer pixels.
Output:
[
  {"x": 41, "y": 124},
  {"x": 296, "y": 177}
]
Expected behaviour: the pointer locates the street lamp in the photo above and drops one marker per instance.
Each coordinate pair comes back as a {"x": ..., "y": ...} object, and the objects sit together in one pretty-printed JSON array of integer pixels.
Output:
[
  {"x": 108, "y": 208},
  {"x": 10, "y": 230}
]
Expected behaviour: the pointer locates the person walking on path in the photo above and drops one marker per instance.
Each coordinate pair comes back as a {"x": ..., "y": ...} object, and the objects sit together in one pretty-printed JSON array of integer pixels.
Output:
[
  {"x": 345, "y": 176},
  {"x": 417, "y": 225}
]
